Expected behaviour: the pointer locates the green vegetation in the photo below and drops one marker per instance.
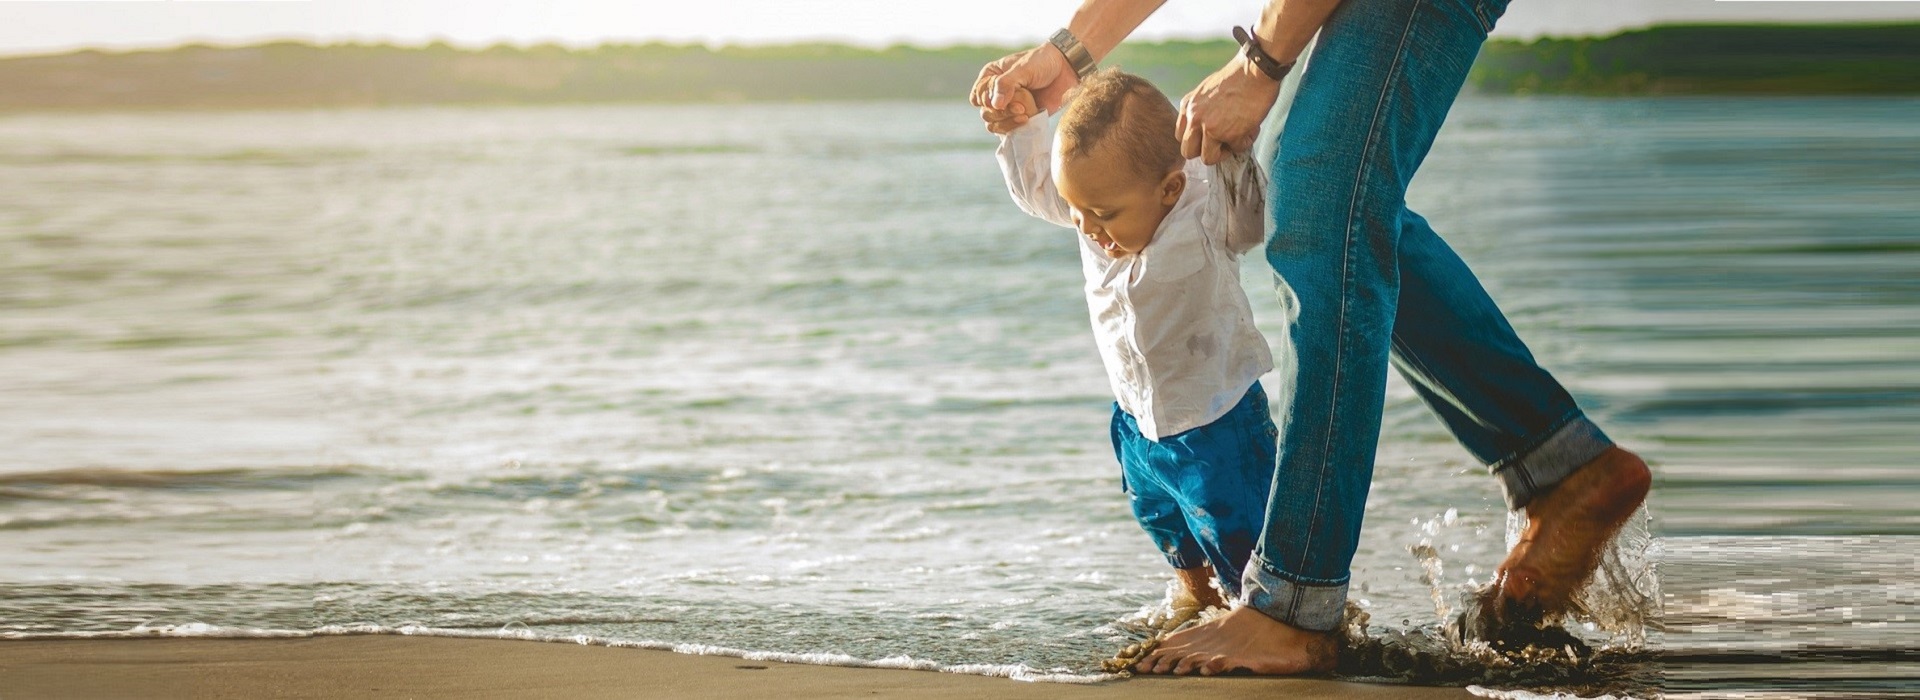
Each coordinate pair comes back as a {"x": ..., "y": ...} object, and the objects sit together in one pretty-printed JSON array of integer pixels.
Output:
[
  {"x": 1711, "y": 59},
  {"x": 1725, "y": 59}
]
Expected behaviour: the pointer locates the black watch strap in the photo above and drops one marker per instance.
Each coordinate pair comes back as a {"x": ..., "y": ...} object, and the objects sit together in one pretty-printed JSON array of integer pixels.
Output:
[{"x": 1250, "y": 47}]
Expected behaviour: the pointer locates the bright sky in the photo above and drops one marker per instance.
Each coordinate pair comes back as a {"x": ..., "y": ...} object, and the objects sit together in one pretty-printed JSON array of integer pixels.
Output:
[{"x": 38, "y": 26}]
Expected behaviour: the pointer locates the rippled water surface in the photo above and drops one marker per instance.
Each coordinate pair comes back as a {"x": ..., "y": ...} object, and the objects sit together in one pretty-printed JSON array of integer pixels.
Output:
[{"x": 800, "y": 378}]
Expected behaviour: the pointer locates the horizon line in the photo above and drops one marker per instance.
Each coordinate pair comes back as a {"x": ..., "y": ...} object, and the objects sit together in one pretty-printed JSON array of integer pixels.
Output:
[{"x": 470, "y": 46}]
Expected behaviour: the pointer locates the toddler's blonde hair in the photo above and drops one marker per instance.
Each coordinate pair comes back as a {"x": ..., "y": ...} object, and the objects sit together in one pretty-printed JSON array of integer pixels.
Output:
[{"x": 1126, "y": 111}]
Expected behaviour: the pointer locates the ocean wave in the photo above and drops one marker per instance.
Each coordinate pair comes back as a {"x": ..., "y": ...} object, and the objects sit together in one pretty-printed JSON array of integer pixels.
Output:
[
  {"x": 520, "y": 632},
  {"x": 1496, "y": 694},
  {"x": 23, "y": 484}
]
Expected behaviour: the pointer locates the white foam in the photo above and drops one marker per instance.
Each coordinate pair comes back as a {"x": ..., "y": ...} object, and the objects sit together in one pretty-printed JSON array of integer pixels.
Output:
[
  {"x": 1481, "y": 691},
  {"x": 516, "y": 631}
]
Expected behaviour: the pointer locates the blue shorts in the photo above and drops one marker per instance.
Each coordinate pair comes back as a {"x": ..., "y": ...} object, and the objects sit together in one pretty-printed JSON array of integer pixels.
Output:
[{"x": 1202, "y": 494}]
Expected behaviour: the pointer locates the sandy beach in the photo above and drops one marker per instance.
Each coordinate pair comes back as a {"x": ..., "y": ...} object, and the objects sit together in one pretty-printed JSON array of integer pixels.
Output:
[{"x": 428, "y": 667}]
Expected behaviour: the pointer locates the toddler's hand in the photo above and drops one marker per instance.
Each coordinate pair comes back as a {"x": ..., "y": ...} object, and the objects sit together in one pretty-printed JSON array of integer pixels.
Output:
[{"x": 1018, "y": 111}]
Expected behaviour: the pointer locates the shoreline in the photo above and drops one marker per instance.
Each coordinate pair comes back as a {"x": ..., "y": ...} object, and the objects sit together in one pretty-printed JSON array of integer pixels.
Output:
[
  {"x": 449, "y": 667},
  {"x": 269, "y": 108}
]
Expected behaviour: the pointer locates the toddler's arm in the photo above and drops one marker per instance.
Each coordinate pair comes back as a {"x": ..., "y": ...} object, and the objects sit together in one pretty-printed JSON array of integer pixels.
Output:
[
  {"x": 1240, "y": 195},
  {"x": 1026, "y": 158}
]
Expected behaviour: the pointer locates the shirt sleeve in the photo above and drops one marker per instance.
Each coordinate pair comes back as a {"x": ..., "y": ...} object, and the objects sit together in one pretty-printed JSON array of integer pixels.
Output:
[
  {"x": 1026, "y": 158},
  {"x": 1240, "y": 198}
]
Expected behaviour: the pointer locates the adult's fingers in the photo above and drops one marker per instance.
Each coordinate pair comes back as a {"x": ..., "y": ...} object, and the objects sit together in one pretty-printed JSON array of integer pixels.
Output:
[
  {"x": 982, "y": 95},
  {"x": 1180, "y": 122},
  {"x": 982, "y": 83},
  {"x": 1209, "y": 150},
  {"x": 1245, "y": 143},
  {"x": 1003, "y": 87},
  {"x": 1190, "y": 139}
]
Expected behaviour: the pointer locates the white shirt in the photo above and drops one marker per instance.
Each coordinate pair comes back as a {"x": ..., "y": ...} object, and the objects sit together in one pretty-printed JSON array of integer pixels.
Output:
[{"x": 1172, "y": 323}]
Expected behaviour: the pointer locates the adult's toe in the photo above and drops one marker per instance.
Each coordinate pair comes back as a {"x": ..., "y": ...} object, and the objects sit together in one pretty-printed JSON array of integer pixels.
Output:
[{"x": 1156, "y": 663}]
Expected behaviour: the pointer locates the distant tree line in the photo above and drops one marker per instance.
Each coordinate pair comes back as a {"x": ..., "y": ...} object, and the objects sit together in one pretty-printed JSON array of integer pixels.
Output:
[
  {"x": 1706, "y": 59},
  {"x": 1710, "y": 59}
]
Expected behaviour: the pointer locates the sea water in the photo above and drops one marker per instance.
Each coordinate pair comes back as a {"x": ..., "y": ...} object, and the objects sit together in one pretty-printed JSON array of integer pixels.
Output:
[{"x": 799, "y": 381}]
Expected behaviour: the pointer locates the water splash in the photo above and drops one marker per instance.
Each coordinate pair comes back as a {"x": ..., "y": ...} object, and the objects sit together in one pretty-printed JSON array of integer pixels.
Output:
[
  {"x": 1433, "y": 533},
  {"x": 1614, "y": 611},
  {"x": 1623, "y": 597}
]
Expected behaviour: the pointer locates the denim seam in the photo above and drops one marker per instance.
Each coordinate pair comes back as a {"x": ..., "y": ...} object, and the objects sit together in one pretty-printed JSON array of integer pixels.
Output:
[
  {"x": 1408, "y": 355},
  {"x": 1285, "y": 600},
  {"x": 1346, "y": 271},
  {"x": 1480, "y": 13},
  {"x": 1514, "y": 457},
  {"x": 1299, "y": 580}
]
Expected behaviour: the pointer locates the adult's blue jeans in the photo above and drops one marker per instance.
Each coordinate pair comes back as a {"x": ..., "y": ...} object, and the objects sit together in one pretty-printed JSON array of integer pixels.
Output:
[{"x": 1372, "y": 283}]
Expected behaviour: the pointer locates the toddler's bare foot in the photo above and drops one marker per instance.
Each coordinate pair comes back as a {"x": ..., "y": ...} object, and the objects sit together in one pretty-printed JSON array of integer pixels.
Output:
[
  {"x": 1244, "y": 640},
  {"x": 1198, "y": 582},
  {"x": 1566, "y": 530}
]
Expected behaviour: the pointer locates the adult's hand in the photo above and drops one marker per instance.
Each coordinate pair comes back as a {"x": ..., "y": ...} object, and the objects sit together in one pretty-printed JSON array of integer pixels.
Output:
[
  {"x": 1041, "y": 71},
  {"x": 1004, "y": 121},
  {"x": 1224, "y": 112}
]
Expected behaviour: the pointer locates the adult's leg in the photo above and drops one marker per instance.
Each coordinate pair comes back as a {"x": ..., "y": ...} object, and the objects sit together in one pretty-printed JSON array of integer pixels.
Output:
[
  {"x": 1377, "y": 88},
  {"x": 1462, "y": 357},
  {"x": 1457, "y": 350}
]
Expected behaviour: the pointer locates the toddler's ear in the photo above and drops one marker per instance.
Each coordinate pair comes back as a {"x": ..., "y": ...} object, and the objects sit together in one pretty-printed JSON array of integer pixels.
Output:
[{"x": 1171, "y": 186}]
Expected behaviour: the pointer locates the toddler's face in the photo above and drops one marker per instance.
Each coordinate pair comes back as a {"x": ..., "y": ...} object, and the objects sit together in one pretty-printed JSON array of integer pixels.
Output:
[{"x": 1113, "y": 206}]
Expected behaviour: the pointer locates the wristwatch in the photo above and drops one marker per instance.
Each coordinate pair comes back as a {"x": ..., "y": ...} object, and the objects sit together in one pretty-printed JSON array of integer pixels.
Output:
[
  {"x": 1077, "y": 55},
  {"x": 1250, "y": 47}
]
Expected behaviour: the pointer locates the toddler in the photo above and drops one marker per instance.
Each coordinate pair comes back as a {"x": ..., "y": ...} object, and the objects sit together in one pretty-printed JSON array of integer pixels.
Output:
[{"x": 1160, "y": 244}]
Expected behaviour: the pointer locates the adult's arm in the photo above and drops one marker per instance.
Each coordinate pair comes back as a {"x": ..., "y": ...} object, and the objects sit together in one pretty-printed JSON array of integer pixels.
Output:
[
  {"x": 1225, "y": 111},
  {"x": 1100, "y": 25}
]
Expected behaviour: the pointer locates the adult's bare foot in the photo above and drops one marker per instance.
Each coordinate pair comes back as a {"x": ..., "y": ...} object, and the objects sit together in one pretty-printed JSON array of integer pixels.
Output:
[
  {"x": 1567, "y": 528},
  {"x": 1244, "y": 640}
]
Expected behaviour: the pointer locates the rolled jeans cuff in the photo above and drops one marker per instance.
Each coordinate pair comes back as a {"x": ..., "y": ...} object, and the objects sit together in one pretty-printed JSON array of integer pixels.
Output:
[
  {"x": 1536, "y": 470},
  {"x": 1302, "y": 603}
]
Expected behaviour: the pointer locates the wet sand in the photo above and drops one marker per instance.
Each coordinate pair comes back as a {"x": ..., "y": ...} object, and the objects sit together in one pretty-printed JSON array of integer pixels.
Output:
[{"x": 431, "y": 667}]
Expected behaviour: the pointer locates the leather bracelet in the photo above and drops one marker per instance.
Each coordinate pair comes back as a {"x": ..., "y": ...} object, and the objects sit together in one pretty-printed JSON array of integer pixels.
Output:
[
  {"x": 1250, "y": 47},
  {"x": 1077, "y": 55}
]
